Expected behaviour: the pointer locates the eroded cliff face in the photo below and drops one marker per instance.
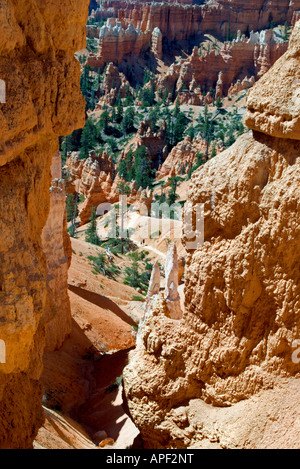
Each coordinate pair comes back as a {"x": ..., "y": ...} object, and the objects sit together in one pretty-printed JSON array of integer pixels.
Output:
[
  {"x": 224, "y": 376},
  {"x": 235, "y": 66},
  {"x": 43, "y": 101},
  {"x": 132, "y": 27},
  {"x": 182, "y": 22},
  {"x": 58, "y": 252}
]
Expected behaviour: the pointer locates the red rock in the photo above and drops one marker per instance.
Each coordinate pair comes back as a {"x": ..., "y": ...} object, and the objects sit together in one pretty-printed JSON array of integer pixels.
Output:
[
  {"x": 114, "y": 84},
  {"x": 235, "y": 61}
]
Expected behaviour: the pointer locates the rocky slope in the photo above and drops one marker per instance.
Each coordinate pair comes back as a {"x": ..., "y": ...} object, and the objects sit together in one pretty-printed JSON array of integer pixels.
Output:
[
  {"x": 43, "y": 101},
  {"x": 137, "y": 35},
  {"x": 224, "y": 376}
]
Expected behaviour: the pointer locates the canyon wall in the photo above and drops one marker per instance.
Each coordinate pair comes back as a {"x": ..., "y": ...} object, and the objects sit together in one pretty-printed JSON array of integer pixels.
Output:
[
  {"x": 240, "y": 62},
  {"x": 183, "y": 22},
  {"x": 227, "y": 375},
  {"x": 134, "y": 28},
  {"x": 43, "y": 102},
  {"x": 116, "y": 40}
]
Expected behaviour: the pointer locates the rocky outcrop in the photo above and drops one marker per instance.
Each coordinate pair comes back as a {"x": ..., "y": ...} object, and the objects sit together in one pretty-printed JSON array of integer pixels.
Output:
[
  {"x": 225, "y": 376},
  {"x": 171, "y": 289},
  {"x": 93, "y": 178},
  {"x": 241, "y": 85},
  {"x": 222, "y": 68},
  {"x": 38, "y": 42},
  {"x": 58, "y": 252},
  {"x": 118, "y": 39},
  {"x": 183, "y": 157},
  {"x": 114, "y": 84},
  {"x": 168, "y": 301},
  {"x": 274, "y": 109},
  {"x": 154, "y": 141},
  {"x": 157, "y": 43}
]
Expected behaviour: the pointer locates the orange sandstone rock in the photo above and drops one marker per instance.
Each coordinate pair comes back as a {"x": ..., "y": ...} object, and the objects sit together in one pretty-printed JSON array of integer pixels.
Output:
[
  {"x": 273, "y": 108},
  {"x": 38, "y": 42},
  {"x": 225, "y": 375},
  {"x": 58, "y": 252}
]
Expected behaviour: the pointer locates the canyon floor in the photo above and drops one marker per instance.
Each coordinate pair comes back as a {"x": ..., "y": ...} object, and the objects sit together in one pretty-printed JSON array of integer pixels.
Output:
[{"x": 83, "y": 402}]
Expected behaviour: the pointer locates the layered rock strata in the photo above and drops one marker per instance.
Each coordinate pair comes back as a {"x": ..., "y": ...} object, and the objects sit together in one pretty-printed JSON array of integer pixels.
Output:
[
  {"x": 227, "y": 374},
  {"x": 37, "y": 49},
  {"x": 184, "y": 22}
]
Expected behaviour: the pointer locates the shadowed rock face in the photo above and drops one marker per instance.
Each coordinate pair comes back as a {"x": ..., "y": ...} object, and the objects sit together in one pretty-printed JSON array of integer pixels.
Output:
[
  {"x": 242, "y": 295},
  {"x": 43, "y": 102}
]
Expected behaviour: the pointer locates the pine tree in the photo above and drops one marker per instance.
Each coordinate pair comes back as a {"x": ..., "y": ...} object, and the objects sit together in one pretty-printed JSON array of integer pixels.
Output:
[
  {"x": 123, "y": 188},
  {"x": 66, "y": 148},
  {"x": 172, "y": 195},
  {"x": 285, "y": 35},
  {"x": 128, "y": 121},
  {"x": 128, "y": 98},
  {"x": 206, "y": 127},
  {"x": 103, "y": 123},
  {"x": 70, "y": 206},
  {"x": 179, "y": 127},
  {"x": 88, "y": 139},
  {"x": 119, "y": 113},
  {"x": 142, "y": 166},
  {"x": 91, "y": 233},
  {"x": 88, "y": 87},
  {"x": 177, "y": 107},
  {"x": 219, "y": 102},
  {"x": 229, "y": 36},
  {"x": 123, "y": 169}
]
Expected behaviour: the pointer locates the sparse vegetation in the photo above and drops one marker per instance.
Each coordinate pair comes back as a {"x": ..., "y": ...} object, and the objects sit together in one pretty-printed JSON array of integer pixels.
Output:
[
  {"x": 102, "y": 264},
  {"x": 139, "y": 273}
]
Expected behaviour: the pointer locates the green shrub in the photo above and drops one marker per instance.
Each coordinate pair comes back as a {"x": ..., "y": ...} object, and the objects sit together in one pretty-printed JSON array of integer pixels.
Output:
[{"x": 101, "y": 264}]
